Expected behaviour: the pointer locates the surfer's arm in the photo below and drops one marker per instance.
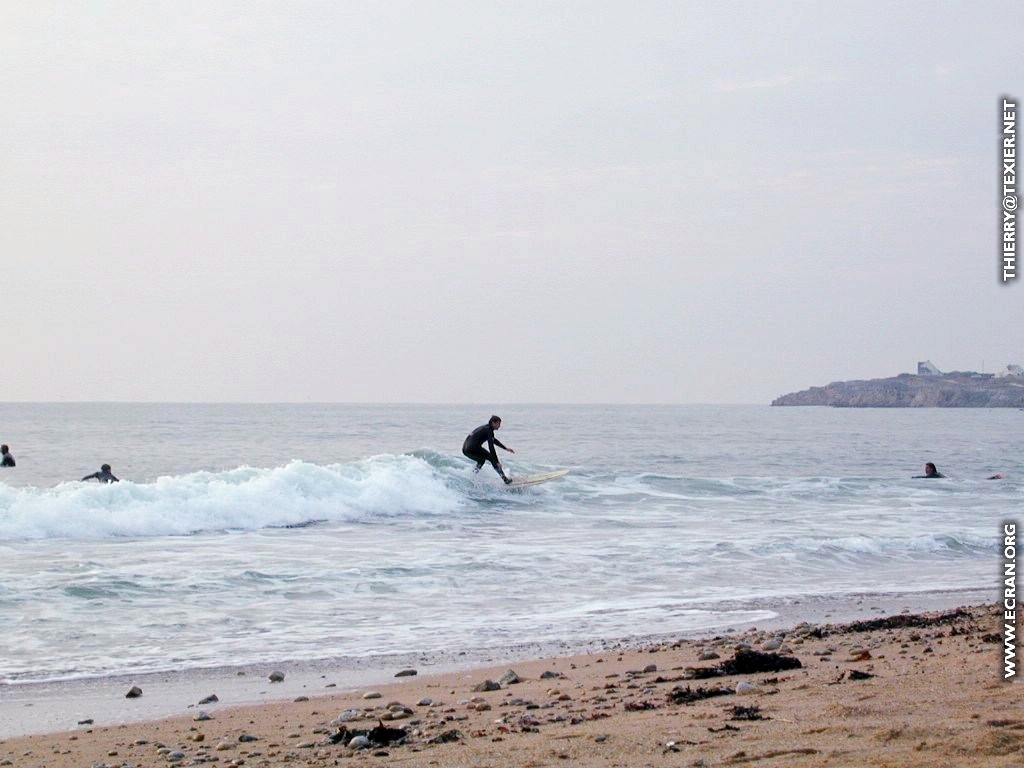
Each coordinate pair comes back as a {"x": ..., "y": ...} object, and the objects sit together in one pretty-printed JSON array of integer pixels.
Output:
[
  {"x": 93, "y": 476},
  {"x": 490, "y": 449},
  {"x": 114, "y": 479},
  {"x": 498, "y": 443}
]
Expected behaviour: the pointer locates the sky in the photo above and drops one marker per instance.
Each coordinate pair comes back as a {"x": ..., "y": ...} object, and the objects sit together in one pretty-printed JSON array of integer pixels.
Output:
[{"x": 499, "y": 202}]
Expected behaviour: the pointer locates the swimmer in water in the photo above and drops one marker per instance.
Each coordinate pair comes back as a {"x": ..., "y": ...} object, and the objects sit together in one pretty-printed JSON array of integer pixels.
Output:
[
  {"x": 104, "y": 475},
  {"x": 7, "y": 459},
  {"x": 929, "y": 472}
]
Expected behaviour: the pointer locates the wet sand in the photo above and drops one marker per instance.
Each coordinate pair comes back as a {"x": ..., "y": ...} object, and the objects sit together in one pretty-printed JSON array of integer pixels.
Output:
[{"x": 934, "y": 697}]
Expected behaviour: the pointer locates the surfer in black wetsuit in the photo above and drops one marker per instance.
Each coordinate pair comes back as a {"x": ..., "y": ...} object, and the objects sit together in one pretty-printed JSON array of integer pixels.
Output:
[
  {"x": 930, "y": 472},
  {"x": 6, "y": 459},
  {"x": 473, "y": 447},
  {"x": 104, "y": 475}
]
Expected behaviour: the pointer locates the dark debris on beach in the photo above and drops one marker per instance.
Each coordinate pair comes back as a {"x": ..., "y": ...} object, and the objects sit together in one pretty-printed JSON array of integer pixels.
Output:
[
  {"x": 746, "y": 662},
  {"x": 688, "y": 695},
  {"x": 900, "y": 621},
  {"x": 380, "y": 735},
  {"x": 752, "y": 712}
]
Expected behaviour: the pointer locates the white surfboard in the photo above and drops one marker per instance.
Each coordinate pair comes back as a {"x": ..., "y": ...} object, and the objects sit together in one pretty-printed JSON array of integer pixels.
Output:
[{"x": 520, "y": 482}]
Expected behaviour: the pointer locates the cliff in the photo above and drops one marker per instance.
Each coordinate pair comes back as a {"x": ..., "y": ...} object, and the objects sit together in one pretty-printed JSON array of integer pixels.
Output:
[{"x": 948, "y": 390}]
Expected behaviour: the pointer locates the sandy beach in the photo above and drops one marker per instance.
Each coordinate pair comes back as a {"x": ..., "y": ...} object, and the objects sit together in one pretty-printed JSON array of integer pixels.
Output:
[{"x": 904, "y": 690}]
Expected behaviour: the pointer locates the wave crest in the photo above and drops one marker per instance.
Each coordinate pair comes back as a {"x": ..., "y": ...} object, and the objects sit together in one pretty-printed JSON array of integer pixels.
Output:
[{"x": 245, "y": 498}]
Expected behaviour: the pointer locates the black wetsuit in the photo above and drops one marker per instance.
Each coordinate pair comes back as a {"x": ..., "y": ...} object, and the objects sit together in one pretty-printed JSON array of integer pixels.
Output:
[
  {"x": 473, "y": 448},
  {"x": 7, "y": 461},
  {"x": 929, "y": 477},
  {"x": 104, "y": 476}
]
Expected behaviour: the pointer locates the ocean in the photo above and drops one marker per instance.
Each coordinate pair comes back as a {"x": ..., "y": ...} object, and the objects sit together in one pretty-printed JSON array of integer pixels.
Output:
[{"x": 245, "y": 534}]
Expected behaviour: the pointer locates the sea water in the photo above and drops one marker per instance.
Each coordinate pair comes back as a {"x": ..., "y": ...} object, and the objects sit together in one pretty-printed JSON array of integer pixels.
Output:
[{"x": 261, "y": 533}]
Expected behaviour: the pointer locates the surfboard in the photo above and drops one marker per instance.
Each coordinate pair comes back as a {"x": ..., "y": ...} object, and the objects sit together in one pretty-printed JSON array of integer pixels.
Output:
[{"x": 521, "y": 482}]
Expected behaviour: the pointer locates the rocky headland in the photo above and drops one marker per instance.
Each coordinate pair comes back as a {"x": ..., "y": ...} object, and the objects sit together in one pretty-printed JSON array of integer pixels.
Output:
[{"x": 946, "y": 390}]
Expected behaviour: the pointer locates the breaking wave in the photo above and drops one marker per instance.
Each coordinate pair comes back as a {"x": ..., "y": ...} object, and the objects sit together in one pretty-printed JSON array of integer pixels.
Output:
[
  {"x": 245, "y": 498},
  {"x": 816, "y": 517}
]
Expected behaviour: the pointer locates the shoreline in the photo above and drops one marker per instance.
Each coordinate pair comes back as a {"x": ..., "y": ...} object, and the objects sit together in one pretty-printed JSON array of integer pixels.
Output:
[
  {"x": 913, "y": 689},
  {"x": 38, "y": 708}
]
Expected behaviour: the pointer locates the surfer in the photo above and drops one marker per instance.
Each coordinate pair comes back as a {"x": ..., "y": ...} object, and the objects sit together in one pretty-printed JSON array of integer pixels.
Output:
[
  {"x": 7, "y": 459},
  {"x": 104, "y": 475},
  {"x": 929, "y": 472},
  {"x": 473, "y": 447}
]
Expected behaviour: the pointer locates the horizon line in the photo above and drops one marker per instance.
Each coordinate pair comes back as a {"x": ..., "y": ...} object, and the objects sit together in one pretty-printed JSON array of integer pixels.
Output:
[{"x": 357, "y": 402}]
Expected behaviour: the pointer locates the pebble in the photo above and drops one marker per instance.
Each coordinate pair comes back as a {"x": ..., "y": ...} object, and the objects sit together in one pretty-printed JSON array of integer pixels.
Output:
[
  {"x": 406, "y": 673},
  {"x": 133, "y": 693},
  {"x": 301, "y": 698},
  {"x": 85, "y": 722},
  {"x": 175, "y": 756},
  {"x": 246, "y": 737},
  {"x": 276, "y": 677},
  {"x": 347, "y": 716},
  {"x": 224, "y": 745},
  {"x": 202, "y": 717},
  {"x": 371, "y": 695},
  {"x": 509, "y": 678},
  {"x": 651, "y": 668},
  {"x": 487, "y": 685},
  {"x": 745, "y": 687},
  {"x": 359, "y": 742},
  {"x": 426, "y": 701},
  {"x": 549, "y": 675},
  {"x": 772, "y": 645},
  {"x": 708, "y": 655},
  {"x": 209, "y": 699}
]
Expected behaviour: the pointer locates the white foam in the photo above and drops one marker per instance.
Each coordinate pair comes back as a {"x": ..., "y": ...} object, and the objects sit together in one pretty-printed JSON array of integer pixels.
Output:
[
  {"x": 878, "y": 545},
  {"x": 246, "y": 498}
]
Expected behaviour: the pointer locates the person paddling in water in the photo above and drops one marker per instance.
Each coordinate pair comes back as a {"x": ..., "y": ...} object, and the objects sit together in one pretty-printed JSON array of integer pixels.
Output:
[
  {"x": 473, "y": 447},
  {"x": 104, "y": 475},
  {"x": 930, "y": 472}
]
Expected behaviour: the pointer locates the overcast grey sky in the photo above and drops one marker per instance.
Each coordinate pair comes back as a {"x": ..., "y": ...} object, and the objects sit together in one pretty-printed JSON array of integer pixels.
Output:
[{"x": 498, "y": 202}]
